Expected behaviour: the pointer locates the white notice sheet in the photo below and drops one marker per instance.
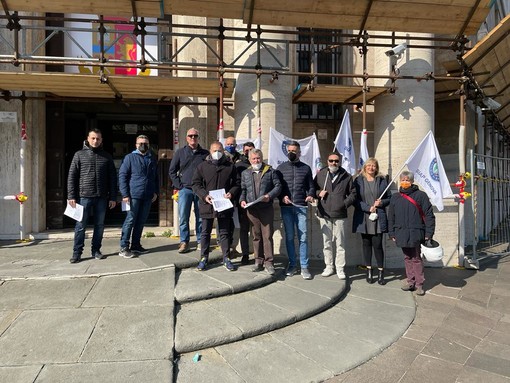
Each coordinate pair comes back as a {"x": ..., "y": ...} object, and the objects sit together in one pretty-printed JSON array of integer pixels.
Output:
[
  {"x": 220, "y": 203},
  {"x": 75, "y": 213}
]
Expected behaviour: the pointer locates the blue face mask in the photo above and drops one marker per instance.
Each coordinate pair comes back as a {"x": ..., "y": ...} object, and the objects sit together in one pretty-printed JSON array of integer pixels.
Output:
[{"x": 230, "y": 149}]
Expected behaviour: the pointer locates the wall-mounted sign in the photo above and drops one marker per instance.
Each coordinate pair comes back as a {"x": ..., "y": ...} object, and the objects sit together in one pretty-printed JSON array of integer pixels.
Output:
[{"x": 9, "y": 117}]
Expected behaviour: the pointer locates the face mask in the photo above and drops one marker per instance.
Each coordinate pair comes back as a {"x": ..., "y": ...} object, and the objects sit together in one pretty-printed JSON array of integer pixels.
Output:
[
  {"x": 292, "y": 156},
  {"x": 256, "y": 166},
  {"x": 405, "y": 184},
  {"x": 142, "y": 148},
  {"x": 216, "y": 155},
  {"x": 230, "y": 149},
  {"x": 333, "y": 169}
]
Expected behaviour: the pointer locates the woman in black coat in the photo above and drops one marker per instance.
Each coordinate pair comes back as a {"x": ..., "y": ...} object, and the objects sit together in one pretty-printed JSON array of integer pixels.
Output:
[
  {"x": 370, "y": 216},
  {"x": 411, "y": 221}
]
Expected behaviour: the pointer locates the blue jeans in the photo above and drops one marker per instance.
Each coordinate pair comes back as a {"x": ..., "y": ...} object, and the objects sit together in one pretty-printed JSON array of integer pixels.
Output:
[
  {"x": 295, "y": 217},
  {"x": 134, "y": 222},
  {"x": 186, "y": 199},
  {"x": 97, "y": 207}
]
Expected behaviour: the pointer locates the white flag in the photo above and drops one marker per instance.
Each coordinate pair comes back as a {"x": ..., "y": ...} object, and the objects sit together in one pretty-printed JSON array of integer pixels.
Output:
[
  {"x": 363, "y": 150},
  {"x": 310, "y": 153},
  {"x": 343, "y": 144},
  {"x": 429, "y": 172}
]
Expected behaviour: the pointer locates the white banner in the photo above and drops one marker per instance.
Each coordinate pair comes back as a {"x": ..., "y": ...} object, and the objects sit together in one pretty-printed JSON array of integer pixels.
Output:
[
  {"x": 363, "y": 150},
  {"x": 343, "y": 144},
  {"x": 310, "y": 153},
  {"x": 429, "y": 172}
]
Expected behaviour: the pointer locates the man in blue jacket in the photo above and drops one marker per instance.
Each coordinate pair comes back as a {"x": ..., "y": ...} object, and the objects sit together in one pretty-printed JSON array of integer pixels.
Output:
[
  {"x": 297, "y": 191},
  {"x": 139, "y": 187}
]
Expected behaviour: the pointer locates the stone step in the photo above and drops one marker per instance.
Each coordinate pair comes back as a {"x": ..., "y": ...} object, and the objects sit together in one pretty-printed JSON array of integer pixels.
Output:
[{"x": 229, "y": 318}]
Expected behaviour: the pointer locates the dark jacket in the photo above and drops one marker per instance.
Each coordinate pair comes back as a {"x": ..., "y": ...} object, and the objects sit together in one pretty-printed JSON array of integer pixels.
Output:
[
  {"x": 92, "y": 174},
  {"x": 209, "y": 176},
  {"x": 183, "y": 165},
  {"x": 269, "y": 184},
  {"x": 297, "y": 182},
  {"x": 404, "y": 221},
  {"x": 341, "y": 193},
  {"x": 362, "y": 209},
  {"x": 138, "y": 176}
]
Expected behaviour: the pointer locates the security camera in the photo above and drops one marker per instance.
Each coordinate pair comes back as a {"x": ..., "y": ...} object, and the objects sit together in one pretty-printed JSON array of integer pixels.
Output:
[{"x": 395, "y": 51}]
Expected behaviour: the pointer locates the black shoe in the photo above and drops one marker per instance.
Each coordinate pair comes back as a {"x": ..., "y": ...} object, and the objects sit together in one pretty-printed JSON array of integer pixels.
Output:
[
  {"x": 98, "y": 255},
  {"x": 370, "y": 275},
  {"x": 139, "y": 249},
  {"x": 408, "y": 287},
  {"x": 245, "y": 260},
  {"x": 75, "y": 259},
  {"x": 380, "y": 277},
  {"x": 257, "y": 268}
]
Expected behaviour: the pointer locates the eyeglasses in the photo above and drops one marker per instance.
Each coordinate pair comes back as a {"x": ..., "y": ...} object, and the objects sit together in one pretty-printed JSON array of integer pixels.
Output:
[
  {"x": 193, "y": 135},
  {"x": 334, "y": 161}
]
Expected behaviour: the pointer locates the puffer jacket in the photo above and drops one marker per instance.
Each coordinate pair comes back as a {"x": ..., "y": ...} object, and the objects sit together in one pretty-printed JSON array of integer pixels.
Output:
[
  {"x": 362, "y": 209},
  {"x": 210, "y": 176},
  {"x": 341, "y": 194},
  {"x": 270, "y": 184},
  {"x": 138, "y": 176},
  {"x": 404, "y": 220},
  {"x": 92, "y": 174},
  {"x": 297, "y": 182}
]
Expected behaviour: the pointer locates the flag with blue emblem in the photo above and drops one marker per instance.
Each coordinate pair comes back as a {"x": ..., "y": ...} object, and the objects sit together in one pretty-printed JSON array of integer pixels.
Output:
[
  {"x": 363, "y": 149},
  {"x": 429, "y": 172},
  {"x": 343, "y": 145}
]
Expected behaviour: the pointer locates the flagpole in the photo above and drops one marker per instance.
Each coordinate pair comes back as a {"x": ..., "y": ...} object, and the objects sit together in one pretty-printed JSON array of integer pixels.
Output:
[{"x": 393, "y": 180}]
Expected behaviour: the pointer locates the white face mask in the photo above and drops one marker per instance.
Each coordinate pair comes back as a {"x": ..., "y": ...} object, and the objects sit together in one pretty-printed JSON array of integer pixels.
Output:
[
  {"x": 333, "y": 169},
  {"x": 216, "y": 155},
  {"x": 256, "y": 166}
]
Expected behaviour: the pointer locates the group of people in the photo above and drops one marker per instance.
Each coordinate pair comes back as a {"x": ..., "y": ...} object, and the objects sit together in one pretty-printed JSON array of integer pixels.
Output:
[
  {"x": 92, "y": 182},
  {"x": 252, "y": 185}
]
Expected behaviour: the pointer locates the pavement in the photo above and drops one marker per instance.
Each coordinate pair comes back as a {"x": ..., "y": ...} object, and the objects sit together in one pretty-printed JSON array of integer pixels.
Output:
[{"x": 155, "y": 318}]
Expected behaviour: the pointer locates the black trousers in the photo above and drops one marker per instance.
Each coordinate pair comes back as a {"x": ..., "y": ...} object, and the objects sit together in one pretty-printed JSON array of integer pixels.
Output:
[
  {"x": 223, "y": 231},
  {"x": 373, "y": 241}
]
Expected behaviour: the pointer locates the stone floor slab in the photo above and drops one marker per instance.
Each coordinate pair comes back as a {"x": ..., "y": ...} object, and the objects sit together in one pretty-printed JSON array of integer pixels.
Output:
[
  {"x": 210, "y": 367},
  {"x": 21, "y": 374},
  {"x": 442, "y": 348}
]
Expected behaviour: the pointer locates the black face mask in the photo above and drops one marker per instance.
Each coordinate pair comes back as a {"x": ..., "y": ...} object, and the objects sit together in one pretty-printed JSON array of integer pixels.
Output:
[
  {"x": 142, "y": 148},
  {"x": 292, "y": 156}
]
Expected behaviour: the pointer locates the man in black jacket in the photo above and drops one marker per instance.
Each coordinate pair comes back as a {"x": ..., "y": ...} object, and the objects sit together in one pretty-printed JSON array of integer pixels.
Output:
[
  {"x": 335, "y": 194},
  {"x": 92, "y": 182},
  {"x": 214, "y": 174},
  {"x": 184, "y": 163},
  {"x": 297, "y": 191}
]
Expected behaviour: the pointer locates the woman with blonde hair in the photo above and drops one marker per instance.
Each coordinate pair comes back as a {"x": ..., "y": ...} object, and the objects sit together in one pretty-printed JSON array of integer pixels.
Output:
[{"x": 370, "y": 216}]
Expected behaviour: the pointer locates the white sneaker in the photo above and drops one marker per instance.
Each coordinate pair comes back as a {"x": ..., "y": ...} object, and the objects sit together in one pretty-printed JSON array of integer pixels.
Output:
[
  {"x": 341, "y": 275},
  {"x": 328, "y": 271}
]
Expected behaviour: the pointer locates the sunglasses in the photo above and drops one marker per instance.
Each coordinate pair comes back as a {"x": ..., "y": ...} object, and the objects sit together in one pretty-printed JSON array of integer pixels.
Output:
[
  {"x": 334, "y": 161},
  {"x": 193, "y": 135}
]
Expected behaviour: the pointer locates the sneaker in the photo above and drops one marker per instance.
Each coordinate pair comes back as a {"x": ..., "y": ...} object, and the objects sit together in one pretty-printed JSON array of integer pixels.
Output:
[
  {"x": 270, "y": 269},
  {"x": 341, "y": 275},
  {"x": 290, "y": 271},
  {"x": 257, "y": 268},
  {"x": 139, "y": 249},
  {"x": 202, "y": 265},
  {"x": 245, "y": 260},
  {"x": 75, "y": 259},
  {"x": 328, "y": 271},
  {"x": 420, "y": 291},
  {"x": 306, "y": 274},
  {"x": 408, "y": 287},
  {"x": 98, "y": 255},
  {"x": 125, "y": 253},
  {"x": 229, "y": 265},
  {"x": 183, "y": 247}
]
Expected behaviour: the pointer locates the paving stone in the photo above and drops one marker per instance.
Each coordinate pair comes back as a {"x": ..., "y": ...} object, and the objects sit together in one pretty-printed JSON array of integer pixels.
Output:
[
  {"x": 500, "y": 303},
  {"x": 47, "y": 336},
  {"x": 22, "y": 374},
  {"x": 383, "y": 294},
  {"x": 7, "y": 317},
  {"x": 129, "y": 333},
  {"x": 489, "y": 362},
  {"x": 425, "y": 369},
  {"x": 475, "y": 375},
  {"x": 331, "y": 287},
  {"x": 118, "y": 372},
  {"x": 44, "y": 293},
  {"x": 459, "y": 336},
  {"x": 442, "y": 348},
  {"x": 211, "y": 367},
  {"x": 254, "y": 360},
  {"x": 143, "y": 288},
  {"x": 193, "y": 285}
]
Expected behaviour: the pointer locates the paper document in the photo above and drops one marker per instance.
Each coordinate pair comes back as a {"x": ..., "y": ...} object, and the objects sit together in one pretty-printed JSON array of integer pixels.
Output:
[
  {"x": 125, "y": 206},
  {"x": 254, "y": 202},
  {"x": 75, "y": 213},
  {"x": 220, "y": 203}
]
